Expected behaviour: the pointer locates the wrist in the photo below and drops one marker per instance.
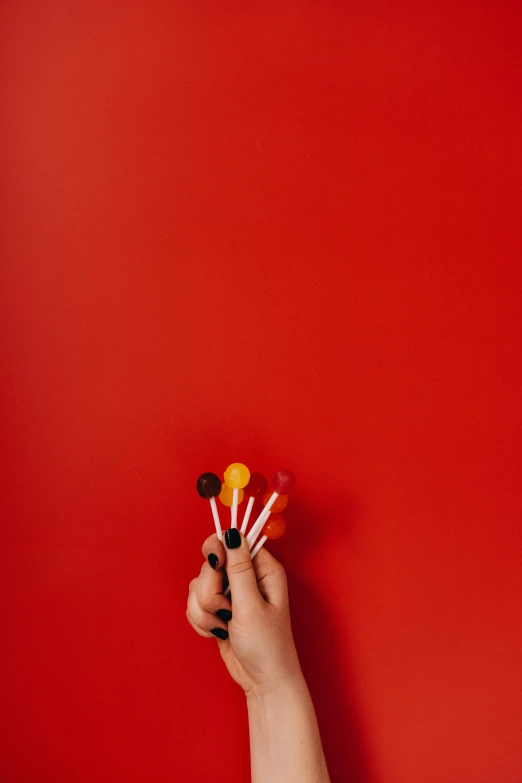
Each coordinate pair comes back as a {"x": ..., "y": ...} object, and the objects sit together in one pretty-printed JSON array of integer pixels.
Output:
[{"x": 278, "y": 687}]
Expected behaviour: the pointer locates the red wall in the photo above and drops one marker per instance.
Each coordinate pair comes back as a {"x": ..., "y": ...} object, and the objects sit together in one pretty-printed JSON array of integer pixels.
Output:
[{"x": 289, "y": 234}]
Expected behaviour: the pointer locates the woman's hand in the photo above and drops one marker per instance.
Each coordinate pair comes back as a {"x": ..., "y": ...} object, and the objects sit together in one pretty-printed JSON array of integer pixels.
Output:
[
  {"x": 254, "y": 633},
  {"x": 256, "y": 643}
]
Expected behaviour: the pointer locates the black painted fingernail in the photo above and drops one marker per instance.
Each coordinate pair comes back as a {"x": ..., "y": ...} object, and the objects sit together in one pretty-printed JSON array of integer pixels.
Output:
[
  {"x": 220, "y": 633},
  {"x": 232, "y": 538},
  {"x": 224, "y": 614},
  {"x": 213, "y": 559}
]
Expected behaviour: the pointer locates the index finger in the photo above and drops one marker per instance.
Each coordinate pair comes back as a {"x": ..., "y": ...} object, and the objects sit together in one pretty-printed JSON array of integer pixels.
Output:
[{"x": 214, "y": 551}]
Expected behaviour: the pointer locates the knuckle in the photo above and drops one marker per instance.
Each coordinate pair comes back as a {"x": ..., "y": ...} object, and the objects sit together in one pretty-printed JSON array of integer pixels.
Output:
[
  {"x": 196, "y": 617},
  {"x": 209, "y": 544},
  {"x": 205, "y": 603},
  {"x": 240, "y": 567},
  {"x": 192, "y": 584}
]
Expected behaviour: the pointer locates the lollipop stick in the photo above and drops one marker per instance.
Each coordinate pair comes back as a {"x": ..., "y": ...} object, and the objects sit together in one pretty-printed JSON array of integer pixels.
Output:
[
  {"x": 233, "y": 510},
  {"x": 215, "y": 514},
  {"x": 260, "y": 521},
  {"x": 247, "y": 514},
  {"x": 258, "y": 546},
  {"x": 257, "y": 527}
]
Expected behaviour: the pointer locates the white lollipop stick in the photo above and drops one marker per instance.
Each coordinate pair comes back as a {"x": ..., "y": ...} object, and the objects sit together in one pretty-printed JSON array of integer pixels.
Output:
[
  {"x": 260, "y": 521},
  {"x": 215, "y": 514},
  {"x": 254, "y": 531},
  {"x": 260, "y": 544},
  {"x": 233, "y": 509},
  {"x": 248, "y": 511}
]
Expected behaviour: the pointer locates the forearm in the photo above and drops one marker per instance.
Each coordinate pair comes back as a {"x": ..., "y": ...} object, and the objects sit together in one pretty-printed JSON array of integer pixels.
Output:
[{"x": 285, "y": 745}]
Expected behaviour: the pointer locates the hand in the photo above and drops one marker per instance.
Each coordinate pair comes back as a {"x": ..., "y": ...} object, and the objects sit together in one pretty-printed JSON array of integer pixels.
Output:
[{"x": 254, "y": 634}]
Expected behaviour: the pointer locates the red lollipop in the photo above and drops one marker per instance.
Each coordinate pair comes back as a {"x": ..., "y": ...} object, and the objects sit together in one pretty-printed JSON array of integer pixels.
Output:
[{"x": 255, "y": 488}]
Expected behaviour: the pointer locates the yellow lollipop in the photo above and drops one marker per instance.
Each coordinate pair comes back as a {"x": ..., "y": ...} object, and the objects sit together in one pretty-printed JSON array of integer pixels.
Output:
[
  {"x": 227, "y": 495},
  {"x": 237, "y": 476}
]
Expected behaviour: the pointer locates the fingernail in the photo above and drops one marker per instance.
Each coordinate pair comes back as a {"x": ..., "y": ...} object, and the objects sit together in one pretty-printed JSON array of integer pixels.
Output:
[
  {"x": 213, "y": 559},
  {"x": 224, "y": 614},
  {"x": 232, "y": 538},
  {"x": 220, "y": 633}
]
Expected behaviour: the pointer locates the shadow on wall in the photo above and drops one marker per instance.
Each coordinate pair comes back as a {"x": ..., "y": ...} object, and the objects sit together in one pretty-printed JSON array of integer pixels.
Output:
[{"x": 326, "y": 666}]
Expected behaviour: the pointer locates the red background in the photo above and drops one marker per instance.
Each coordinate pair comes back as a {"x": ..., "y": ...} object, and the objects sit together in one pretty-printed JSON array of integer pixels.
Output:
[{"x": 289, "y": 234}]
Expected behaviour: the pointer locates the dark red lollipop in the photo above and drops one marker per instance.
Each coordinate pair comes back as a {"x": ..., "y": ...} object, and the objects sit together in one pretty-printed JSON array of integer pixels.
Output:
[
  {"x": 208, "y": 485},
  {"x": 283, "y": 481},
  {"x": 257, "y": 485}
]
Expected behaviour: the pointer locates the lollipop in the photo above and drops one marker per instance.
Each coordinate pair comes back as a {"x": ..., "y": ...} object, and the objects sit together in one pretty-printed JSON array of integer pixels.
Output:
[
  {"x": 237, "y": 476},
  {"x": 254, "y": 489},
  {"x": 283, "y": 482},
  {"x": 279, "y": 504},
  {"x": 227, "y": 496},
  {"x": 208, "y": 486},
  {"x": 274, "y": 528}
]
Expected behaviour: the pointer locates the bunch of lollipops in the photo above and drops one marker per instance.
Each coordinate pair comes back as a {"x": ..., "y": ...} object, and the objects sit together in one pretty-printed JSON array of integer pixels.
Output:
[{"x": 239, "y": 484}]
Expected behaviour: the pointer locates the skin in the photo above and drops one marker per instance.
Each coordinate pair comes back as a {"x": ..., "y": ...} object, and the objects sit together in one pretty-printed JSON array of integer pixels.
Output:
[{"x": 261, "y": 657}]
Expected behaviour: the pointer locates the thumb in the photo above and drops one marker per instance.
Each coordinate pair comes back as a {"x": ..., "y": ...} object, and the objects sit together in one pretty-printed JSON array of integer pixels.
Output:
[{"x": 239, "y": 568}]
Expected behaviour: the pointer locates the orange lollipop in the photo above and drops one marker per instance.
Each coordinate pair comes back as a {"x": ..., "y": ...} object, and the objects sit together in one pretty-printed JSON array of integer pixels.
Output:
[
  {"x": 279, "y": 504},
  {"x": 274, "y": 528}
]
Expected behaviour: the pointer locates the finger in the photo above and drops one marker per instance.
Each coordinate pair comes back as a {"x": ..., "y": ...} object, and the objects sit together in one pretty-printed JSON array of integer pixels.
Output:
[
  {"x": 209, "y": 590},
  {"x": 210, "y": 581},
  {"x": 204, "y": 622},
  {"x": 198, "y": 630},
  {"x": 225, "y": 649},
  {"x": 214, "y": 551},
  {"x": 240, "y": 571},
  {"x": 271, "y": 578}
]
